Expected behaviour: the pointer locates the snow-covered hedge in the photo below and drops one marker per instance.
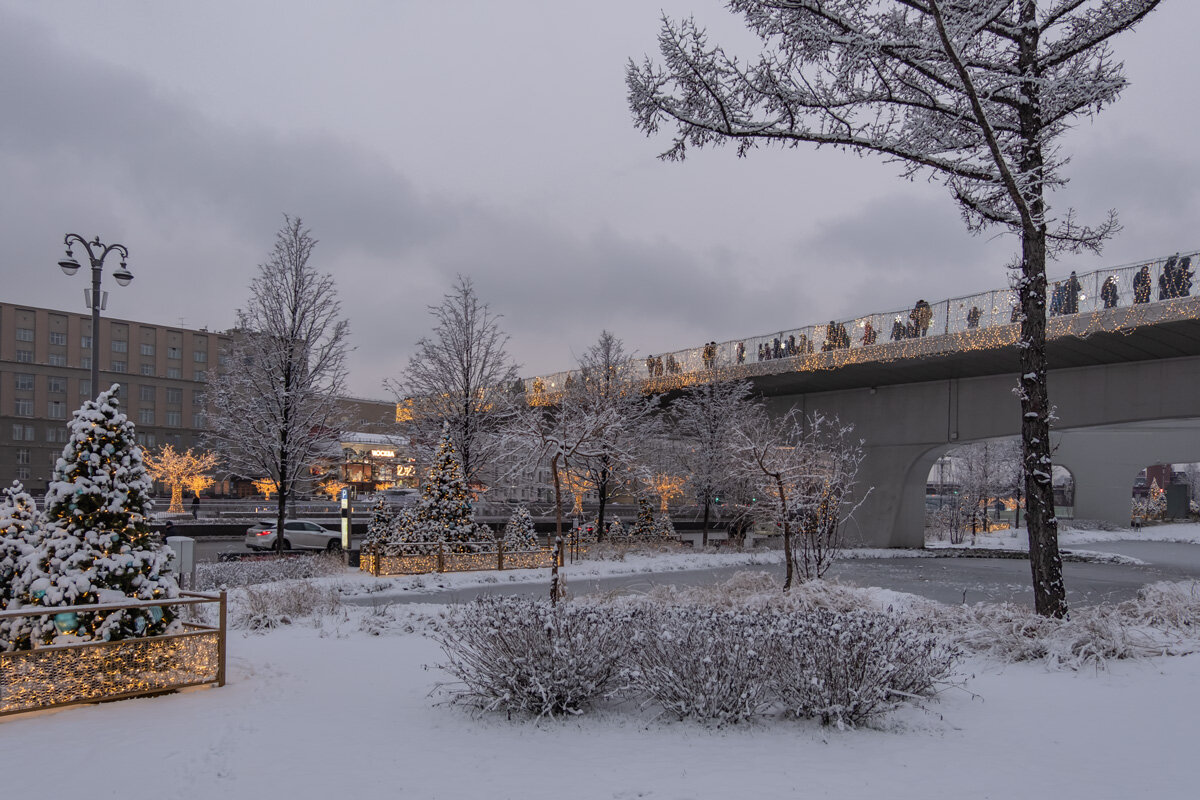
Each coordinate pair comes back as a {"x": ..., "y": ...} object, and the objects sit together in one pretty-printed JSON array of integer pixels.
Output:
[
  {"x": 530, "y": 657},
  {"x": 230, "y": 574},
  {"x": 691, "y": 661}
]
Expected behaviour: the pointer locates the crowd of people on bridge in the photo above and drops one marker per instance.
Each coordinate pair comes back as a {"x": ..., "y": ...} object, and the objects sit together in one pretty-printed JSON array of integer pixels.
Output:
[{"x": 1064, "y": 297}]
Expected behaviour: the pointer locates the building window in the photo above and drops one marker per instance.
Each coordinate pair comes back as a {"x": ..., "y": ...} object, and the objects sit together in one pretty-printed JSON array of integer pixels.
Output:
[
  {"x": 198, "y": 398},
  {"x": 23, "y": 473},
  {"x": 120, "y": 346},
  {"x": 200, "y": 375},
  {"x": 24, "y": 356},
  {"x": 85, "y": 387},
  {"x": 174, "y": 352},
  {"x": 146, "y": 394},
  {"x": 174, "y": 372},
  {"x": 56, "y": 385},
  {"x": 174, "y": 419},
  {"x": 56, "y": 409},
  {"x": 147, "y": 349},
  {"x": 57, "y": 359},
  {"x": 22, "y": 433},
  {"x": 57, "y": 434},
  {"x": 148, "y": 369},
  {"x": 85, "y": 342},
  {"x": 118, "y": 366},
  {"x": 56, "y": 337},
  {"x": 200, "y": 357},
  {"x": 23, "y": 407},
  {"x": 24, "y": 334},
  {"x": 146, "y": 439},
  {"x": 198, "y": 419},
  {"x": 174, "y": 396},
  {"x": 22, "y": 455},
  {"x": 145, "y": 416},
  {"x": 85, "y": 362},
  {"x": 24, "y": 381}
]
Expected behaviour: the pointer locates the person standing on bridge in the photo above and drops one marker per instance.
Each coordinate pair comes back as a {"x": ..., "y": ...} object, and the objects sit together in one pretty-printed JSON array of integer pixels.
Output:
[
  {"x": 921, "y": 316},
  {"x": 1141, "y": 285},
  {"x": 1108, "y": 292},
  {"x": 1071, "y": 291}
]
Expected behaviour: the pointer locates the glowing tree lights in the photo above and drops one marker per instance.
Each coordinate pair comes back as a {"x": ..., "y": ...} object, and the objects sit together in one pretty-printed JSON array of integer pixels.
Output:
[{"x": 180, "y": 471}]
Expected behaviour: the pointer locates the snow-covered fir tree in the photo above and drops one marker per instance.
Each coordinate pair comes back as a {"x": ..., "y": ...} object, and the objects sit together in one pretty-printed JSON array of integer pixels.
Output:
[
  {"x": 97, "y": 546},
  {"x": 382, "y": 525},
  {"x": 19, "y": 535},
  {"x": 519, "y": 533},
  {"x": 663, "y": 527},
  {"x": 444, "y": 510},
  {"x": 644, "y": 527},
  {"x": 616, "y": 530}
]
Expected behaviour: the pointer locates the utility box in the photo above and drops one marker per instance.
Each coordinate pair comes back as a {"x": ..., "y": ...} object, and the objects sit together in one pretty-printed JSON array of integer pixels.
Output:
[
  {"x": 1177, "y": 500},
  {"x": 184, "y": 559}
]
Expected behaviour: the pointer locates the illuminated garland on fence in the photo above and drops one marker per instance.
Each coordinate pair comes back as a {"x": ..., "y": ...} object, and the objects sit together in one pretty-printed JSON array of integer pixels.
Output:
[{"x": 1116, "y": 300}]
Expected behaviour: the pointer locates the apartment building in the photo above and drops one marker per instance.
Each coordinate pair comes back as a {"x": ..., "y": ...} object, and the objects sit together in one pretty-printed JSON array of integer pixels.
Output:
[{"x": 45, "y": 362}]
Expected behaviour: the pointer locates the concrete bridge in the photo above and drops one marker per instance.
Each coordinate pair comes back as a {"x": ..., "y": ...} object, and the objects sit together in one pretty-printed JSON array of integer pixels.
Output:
[{"x": 1124, "y": 379}]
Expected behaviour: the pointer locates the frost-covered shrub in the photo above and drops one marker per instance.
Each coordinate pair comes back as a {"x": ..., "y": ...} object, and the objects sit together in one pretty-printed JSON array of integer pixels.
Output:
[
  {"x": 845, "y": 668},
  {"x": 382, "y": 524},
  {"x": 519, "y": 533},
  {"x": 526, "y": 656},
  {"x": 248, "y": 572},
  {"x": 273, "y": 605},
  {"x": 703, "y": 663},
  {"x": 663, "y": 527}
]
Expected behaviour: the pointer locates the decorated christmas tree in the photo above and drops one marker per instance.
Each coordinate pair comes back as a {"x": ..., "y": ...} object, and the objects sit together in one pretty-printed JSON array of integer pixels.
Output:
[
  {"x": 405, "y": 539},
  {"x": 97, "y": 546},
  {"x": 663, "y": 527},
  {"x": 519, "y": 532},
  {"x": 644, "y": 526},
  {"x": 444, "y": 510},
  {"x": 383, "y": 522},
  {"x": 19, "y": 535}
]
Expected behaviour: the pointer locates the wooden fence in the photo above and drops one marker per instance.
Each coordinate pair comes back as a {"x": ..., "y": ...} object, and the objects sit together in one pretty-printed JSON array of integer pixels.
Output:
[{"x": 440, "y": 558}]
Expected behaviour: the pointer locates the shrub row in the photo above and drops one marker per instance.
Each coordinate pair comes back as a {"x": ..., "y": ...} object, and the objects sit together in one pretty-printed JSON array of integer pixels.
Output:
[{"x": 713, "y": 664}]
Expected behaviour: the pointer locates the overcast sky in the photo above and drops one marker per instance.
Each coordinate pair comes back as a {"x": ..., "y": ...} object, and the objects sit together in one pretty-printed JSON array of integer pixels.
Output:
[{"x": 423, "y": 139}]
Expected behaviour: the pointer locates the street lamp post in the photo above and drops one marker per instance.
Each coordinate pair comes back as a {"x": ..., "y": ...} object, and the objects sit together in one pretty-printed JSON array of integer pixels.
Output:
[{"x": 97, "y": 251}]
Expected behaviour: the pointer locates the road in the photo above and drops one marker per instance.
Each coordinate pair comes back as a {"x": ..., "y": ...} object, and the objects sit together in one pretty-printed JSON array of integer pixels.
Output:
[{"x": 947, "y": 580}]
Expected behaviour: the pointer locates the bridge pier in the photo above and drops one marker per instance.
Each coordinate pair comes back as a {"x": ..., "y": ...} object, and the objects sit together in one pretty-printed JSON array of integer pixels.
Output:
[{"x": 893, "y": 513}]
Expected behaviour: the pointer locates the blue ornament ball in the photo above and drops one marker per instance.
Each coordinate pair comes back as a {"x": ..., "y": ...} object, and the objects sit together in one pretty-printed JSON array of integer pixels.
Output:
[{"x": 66, "y": 622}]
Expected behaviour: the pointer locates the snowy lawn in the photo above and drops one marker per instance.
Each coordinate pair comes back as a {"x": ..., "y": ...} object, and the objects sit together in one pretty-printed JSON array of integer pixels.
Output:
[
  {"x": 1069, "y": 537},
  {"x": 326, "y": 709},
  {"x": 339, "y": 701}
]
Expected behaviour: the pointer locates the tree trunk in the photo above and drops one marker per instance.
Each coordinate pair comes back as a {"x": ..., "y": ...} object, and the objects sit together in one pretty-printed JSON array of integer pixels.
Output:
[
  {"x": 1049, "y": 593},
  {"x": 602, "y": 491},
  {"x": 787, "y": 533},
  {"x": 704, "y": 531},
  {"x": 557, "y": 529}
]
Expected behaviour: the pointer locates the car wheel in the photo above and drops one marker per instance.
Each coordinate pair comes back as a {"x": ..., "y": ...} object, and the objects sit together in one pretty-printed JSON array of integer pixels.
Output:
[
  {"x": 334, "y": 546},
  {"x": 287, "y": 545}
]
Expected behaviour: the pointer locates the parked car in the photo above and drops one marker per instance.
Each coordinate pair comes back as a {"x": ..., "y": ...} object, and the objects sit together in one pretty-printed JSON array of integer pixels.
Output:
[{"x": 298, "y": 534}]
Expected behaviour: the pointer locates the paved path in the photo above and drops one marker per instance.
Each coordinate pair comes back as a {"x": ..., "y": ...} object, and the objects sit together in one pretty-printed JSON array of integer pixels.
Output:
[{"x": 947, "y": 580}]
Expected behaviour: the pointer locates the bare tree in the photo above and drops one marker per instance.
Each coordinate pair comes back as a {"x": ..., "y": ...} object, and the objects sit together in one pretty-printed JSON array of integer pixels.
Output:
[
  {"x": 974, "y": 93},
  {"x": 705, "y": 420},
  {"x": 274, "y": 410},
  {"x": 604, "y": 386},
  {"x": 565, "y": 434},
  {"x": 461, "y": 375},
  {"x": 804, "y": 472}
]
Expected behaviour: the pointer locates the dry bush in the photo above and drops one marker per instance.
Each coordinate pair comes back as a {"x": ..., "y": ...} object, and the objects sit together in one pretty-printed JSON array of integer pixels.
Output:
[
  {"x": 703, "y": 663},
  {"x": 529, "y": 657},
  {"x": 846, "y": 668},
  {"x": 273, "y": 605},
  {"x": 268, "y": 569}
]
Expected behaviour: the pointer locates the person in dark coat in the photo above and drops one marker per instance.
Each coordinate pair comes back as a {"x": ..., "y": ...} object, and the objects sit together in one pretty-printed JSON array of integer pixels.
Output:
[
  {"x": 1071, "y": 290},
  {"x": 195, "y": 506},
  {"x": 921, "y": 316},
  {"x": 1108, "y": 292},
  {"x": 973, "y": 317},
  {"x": 1056, "y": 299},
  {"x": 898, "y": 331},
  {"x": 1141, "y": 285},
  {"x": 1167, "y": 281},
  {"x": 741, "y": 352},
  {"x": 868, "y": 334}
]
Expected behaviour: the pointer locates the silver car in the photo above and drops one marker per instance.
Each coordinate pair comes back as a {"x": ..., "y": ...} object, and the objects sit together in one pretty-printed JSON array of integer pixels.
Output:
[{"x": 298, "y": 534}]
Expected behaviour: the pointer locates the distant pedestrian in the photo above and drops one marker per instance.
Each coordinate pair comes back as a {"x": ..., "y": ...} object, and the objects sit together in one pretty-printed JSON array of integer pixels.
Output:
[
  {"x": 1071, "y": 292},
  {"x": 868, "y": 334},
  {"x": 195, "y": 506},
  {"x": 973, "y": 317},
  {"x": 1108, "y": 292},
  {"x": 741, "y": 352},
  {"x": 1141, "y": 285},
  {"x": 921, "y": 315}
]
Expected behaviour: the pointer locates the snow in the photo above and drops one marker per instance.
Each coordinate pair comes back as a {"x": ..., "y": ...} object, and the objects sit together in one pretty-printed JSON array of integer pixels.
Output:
[
  {"x": 341, "y": 703},
  {"x": 317, "y": 711}
]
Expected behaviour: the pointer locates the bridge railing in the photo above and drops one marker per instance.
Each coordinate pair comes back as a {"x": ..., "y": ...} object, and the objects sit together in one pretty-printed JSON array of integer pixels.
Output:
[{"x": 989, "y": 309}]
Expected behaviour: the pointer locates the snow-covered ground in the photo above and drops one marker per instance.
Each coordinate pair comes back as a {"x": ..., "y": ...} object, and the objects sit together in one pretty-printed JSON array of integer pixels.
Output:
[
  {"x": 340, "y": 704},
  {"x": 1182, "y": 532}
]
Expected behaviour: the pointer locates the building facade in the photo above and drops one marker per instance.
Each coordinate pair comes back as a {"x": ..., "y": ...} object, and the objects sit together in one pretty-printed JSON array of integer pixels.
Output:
[{"x": 45, "y": 362}]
